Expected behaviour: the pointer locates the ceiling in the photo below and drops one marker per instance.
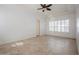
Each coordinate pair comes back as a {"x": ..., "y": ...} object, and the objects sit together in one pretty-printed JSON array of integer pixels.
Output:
[{"x": 57, "y": 9}]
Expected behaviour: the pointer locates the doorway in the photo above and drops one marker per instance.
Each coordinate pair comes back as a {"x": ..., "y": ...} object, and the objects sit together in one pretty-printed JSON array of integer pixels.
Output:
[{"x": 37, "y": 27}]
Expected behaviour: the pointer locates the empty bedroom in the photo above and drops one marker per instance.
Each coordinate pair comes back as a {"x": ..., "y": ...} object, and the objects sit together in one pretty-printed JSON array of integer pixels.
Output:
[{"x": 39, "y": 29}]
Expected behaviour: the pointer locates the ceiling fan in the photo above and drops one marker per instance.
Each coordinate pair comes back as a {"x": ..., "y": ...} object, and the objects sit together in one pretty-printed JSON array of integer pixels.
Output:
[{"x": 45, "y": 6}]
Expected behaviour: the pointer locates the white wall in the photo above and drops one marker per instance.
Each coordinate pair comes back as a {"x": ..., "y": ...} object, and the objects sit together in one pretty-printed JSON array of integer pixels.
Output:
[
  {"x": 16, "y": 23},
  {"x": 77, "y": 27},
  {"x": 72, "y": 23},
  {"x": 61, "y": 11}
]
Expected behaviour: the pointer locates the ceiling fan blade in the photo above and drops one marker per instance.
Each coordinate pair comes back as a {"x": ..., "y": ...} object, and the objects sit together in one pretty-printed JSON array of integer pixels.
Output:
[
  {"x": 42, "y": 5},
  {"x": 48, "y": 9},
  {"x": 49, "y": 5}
]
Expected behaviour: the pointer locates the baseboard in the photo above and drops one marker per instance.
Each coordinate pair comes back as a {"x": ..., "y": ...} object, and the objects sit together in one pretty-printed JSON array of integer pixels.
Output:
[
  {"x": 60, "y": 36},
  {"x": 25, "y": 38}
]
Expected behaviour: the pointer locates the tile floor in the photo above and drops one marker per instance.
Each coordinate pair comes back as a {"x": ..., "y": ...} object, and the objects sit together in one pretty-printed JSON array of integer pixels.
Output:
[{"x": 42, "y": 45}]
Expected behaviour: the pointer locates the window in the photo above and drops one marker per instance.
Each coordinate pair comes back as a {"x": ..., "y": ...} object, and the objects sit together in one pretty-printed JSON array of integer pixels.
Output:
[{"x": 59, "y": 26}]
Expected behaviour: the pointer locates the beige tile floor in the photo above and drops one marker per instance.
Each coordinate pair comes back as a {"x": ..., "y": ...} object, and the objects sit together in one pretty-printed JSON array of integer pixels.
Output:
[{"x": 42, "y": 45}]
